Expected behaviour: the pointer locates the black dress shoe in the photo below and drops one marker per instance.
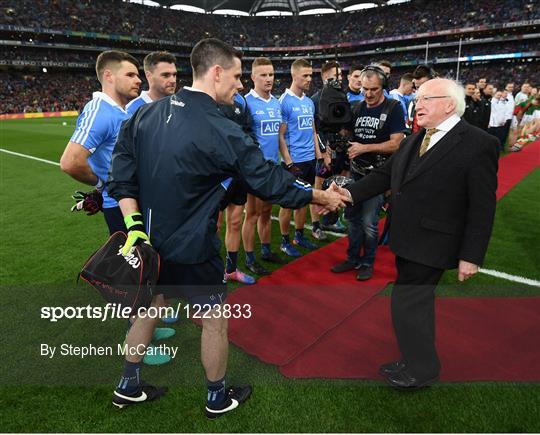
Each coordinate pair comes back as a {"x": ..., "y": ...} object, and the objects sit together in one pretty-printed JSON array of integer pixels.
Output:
[
  {"x": 391, "y": 368},
  {"x": 257, "y": 268},
  {"x": 403, "y": 380}
]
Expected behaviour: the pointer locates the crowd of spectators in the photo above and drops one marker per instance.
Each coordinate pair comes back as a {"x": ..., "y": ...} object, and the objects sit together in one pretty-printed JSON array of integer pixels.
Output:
[
  {"x": 69, "y": 90},
  {"x": 16, "y": 53},
  {"x": 133, "y": 19},
  {"x": 45, "y": 92}
]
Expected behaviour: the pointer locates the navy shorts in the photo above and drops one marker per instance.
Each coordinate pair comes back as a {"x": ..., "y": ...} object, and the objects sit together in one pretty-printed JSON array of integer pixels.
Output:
[
  {"x": 201, "y": 284},
  {"x": 308, "y": 170},
  {"x": 236, "y": 194}
]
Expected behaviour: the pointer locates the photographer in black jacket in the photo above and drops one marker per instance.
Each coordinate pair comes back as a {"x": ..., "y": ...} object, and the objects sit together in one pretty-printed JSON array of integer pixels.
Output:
[{"x": 169, "y": 162}]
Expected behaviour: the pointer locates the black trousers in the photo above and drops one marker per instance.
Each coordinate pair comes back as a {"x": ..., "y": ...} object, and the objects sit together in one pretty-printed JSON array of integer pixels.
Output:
[{"x": 413, "y": 316}]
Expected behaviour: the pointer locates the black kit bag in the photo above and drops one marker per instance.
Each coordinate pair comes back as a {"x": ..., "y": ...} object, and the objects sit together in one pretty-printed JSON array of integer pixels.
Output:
[{"x": 128, "y": 281}]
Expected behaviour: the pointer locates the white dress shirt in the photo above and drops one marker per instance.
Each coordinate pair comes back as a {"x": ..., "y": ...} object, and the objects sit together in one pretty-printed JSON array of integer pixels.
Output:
[
  {"x": 499, "y": 112},
  {"x": 444, "y": 127}
]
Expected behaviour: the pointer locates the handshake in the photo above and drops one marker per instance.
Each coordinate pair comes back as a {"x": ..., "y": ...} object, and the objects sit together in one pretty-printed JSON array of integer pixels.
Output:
[{"x": 334, "y": 196}]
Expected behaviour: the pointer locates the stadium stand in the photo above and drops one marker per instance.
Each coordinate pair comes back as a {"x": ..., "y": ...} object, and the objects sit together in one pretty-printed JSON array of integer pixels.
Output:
[{"x": 64, "y": 37}]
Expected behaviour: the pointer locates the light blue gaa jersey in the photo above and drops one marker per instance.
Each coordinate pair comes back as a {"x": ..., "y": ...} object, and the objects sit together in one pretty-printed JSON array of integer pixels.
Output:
[
  {"x": 297, "y": 113},
  {"x": 97, "y": 129},
  {"x": 354, "y": 96},
  {"x": 134, "y": 104},
  {"x": 266, "y": 116}
]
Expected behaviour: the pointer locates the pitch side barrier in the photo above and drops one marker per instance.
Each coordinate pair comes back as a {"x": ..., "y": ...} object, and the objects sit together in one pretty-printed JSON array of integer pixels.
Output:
[{"x": 6, "y": 116}]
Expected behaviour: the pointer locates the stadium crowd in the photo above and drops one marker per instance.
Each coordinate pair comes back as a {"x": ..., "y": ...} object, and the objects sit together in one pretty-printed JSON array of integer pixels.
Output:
[
  {"x": 42, "y": 92},
  {"x": 46, "y": 92},
  {"x": 16, "y": 53},
  {"x": 132, "y": 19}
]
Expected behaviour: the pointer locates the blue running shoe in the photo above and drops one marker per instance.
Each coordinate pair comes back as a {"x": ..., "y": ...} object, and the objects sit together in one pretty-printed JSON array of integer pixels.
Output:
[
  {"x": 169, "y": 319},
  {"x": 240, "y": 276},
  {"x": 290, "y": 250},
  {"x": 303, "y": 242}
]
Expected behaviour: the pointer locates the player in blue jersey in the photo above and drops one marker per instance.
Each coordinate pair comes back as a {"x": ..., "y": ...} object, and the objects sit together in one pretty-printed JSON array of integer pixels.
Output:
[
  {"x": 266, "y": 118},
  {"x": 160, "y": 72},
  {"x": 235, "y": 198},
  {"x": 354, "y": 91},
  {"x": 87, "y": 157},
  {"x": 404, "y": 93},
  {"x": 299, "y": 148}
]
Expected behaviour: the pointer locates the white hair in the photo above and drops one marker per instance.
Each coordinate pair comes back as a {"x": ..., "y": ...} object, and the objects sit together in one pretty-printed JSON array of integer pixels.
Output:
[{"x": 457, "y": 93}]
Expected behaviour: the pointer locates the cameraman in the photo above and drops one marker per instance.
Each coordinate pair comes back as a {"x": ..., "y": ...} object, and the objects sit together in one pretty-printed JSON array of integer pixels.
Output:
[
  {"x": 333, "y": 145},
  {"x": 378, "y": 125}
]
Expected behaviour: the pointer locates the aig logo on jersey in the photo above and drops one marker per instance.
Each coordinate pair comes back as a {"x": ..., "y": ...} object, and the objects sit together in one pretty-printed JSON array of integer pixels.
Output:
[
  {"x": 305, "y": 122},
  {"x": 269, "y": 127}
]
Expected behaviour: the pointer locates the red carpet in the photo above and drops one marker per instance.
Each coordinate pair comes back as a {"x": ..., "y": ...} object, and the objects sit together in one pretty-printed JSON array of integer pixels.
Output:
[
  {"x": 515, "y": 166},
  {"x": 314, "y": 323},
  {"x": 293, "y": 307},
  {"x": 479, "y": 339}
]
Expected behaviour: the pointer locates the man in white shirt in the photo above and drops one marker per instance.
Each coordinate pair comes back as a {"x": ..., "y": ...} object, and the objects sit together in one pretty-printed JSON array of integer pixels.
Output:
[{"x": 499, "y": 117}]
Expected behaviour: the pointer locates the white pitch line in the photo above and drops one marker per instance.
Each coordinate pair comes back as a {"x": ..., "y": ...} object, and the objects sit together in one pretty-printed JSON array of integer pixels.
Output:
[
  {"x": 503, "y": 275},
  {"x": 50, "y": 162},
  {"x": 514, "y": 278}
]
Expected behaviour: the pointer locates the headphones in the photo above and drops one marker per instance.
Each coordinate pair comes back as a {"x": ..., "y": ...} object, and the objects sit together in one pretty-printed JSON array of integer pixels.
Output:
[{"x": 379, "y": 71}]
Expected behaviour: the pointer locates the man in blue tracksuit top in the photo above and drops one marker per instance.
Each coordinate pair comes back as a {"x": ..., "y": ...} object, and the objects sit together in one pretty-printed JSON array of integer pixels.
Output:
[{"x": 169, "y": 162}]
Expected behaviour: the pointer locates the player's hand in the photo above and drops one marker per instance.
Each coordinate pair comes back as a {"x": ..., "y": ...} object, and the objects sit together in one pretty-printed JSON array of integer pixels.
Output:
[
  {"x": 356, "y": 149},
  {"x": 91, "y": 202},
  {"x": 466, "y": 270},
  {"x": 136, "y": 233}
]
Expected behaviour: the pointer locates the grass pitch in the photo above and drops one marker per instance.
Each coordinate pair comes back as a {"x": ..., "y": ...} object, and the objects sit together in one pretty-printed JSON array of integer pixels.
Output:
[{"x": 43, "y": 247}]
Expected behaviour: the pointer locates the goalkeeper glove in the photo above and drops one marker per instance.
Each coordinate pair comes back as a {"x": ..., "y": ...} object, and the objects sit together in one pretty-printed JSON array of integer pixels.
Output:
[
  {"x": 91, "y": 202},
  {"x": 136, "y": 234}
]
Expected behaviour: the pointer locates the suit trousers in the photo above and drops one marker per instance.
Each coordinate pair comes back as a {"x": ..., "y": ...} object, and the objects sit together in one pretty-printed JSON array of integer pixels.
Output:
[{"x": 413, "y": 316}]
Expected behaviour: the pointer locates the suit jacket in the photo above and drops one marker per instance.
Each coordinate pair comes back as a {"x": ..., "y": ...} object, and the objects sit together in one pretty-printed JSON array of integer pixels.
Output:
[{"x": 443, "y": 211}]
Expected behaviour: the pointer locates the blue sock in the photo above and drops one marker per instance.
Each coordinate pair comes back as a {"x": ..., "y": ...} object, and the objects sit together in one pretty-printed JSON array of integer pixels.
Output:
[
  {"x": 232, "y": 260},
  {"x": 130, "y": 379},
  {"x": 265, "y": 249},
  {"x": 285, "y": 239},
  {"x": 216, "y": 392},
  {"x": 299, "y": 233},
  {"x": 250, "y": 257}
]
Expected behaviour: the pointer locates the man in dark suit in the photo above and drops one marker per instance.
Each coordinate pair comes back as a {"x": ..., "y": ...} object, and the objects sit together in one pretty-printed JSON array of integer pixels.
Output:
[{"x": 443, "y": 182}]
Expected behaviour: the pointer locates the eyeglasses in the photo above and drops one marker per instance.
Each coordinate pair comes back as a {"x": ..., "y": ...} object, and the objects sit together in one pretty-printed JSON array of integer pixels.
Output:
[{"x": 425, "y": 98}]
